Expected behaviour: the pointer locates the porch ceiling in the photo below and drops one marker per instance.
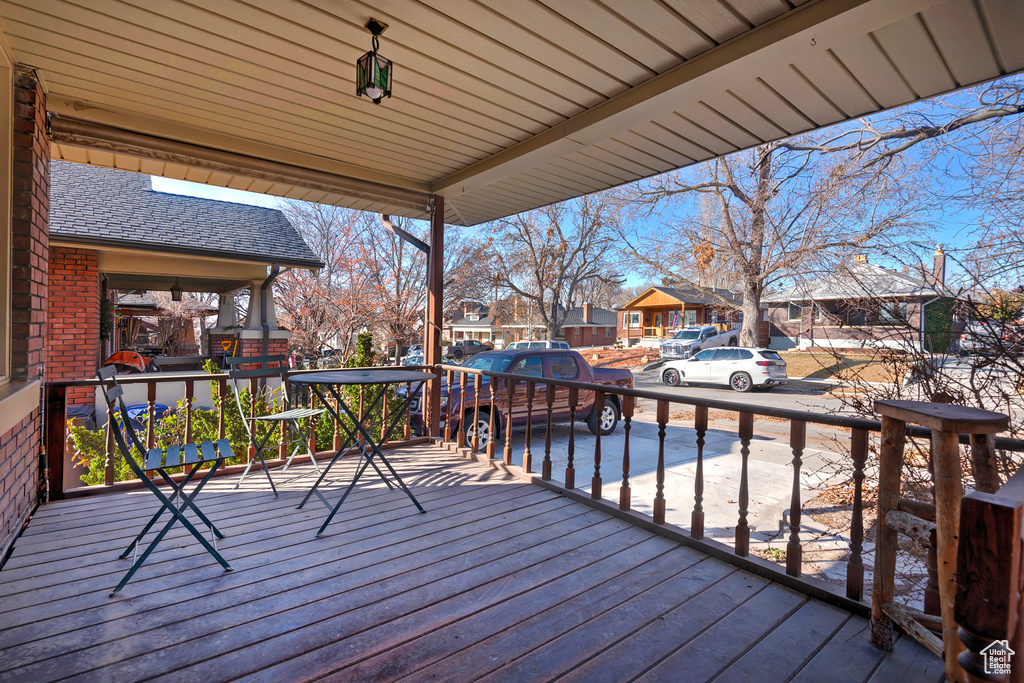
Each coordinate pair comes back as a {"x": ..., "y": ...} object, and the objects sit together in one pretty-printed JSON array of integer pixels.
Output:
[{"x": 499, "y": 106}]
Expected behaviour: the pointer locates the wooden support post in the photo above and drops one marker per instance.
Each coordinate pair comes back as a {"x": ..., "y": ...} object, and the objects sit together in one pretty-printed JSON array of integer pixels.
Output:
[
  {"x": 56, "y": 421},
  {"x": 435, "y": 317},
  {"x": 948, "y": 492},
  {"x": 890, "y": 468}
]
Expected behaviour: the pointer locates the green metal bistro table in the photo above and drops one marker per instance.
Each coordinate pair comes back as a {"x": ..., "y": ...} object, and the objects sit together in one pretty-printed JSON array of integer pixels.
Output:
[{"x": 359, "y": 436}]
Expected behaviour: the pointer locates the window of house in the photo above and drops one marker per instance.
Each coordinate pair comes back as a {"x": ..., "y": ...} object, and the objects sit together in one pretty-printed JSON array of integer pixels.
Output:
[
  {"x": 796, "y": 311},
  {"x": 634, "y": 319},
  {"x": 892, "y": 311},
  {"x": 608, "y": 332},
  {"x": 690, "y": 318},
  {"x": 714, "y": 317},
  {"x": 817, "y": 312}
]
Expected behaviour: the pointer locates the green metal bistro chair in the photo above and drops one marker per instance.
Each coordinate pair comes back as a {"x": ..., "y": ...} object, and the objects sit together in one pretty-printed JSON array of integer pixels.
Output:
[
  {"x": 191, "y": 457},
  {"x": 290, "y": 416}
]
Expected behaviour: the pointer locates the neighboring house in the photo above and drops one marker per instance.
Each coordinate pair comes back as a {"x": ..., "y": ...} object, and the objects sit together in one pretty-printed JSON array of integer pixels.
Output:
[
  {"x": 588, "y": 325},
  {"x": 475, "y": 323},
  {"x": 109, "y": 231},
  {"x": 660, "y": 311},
  {"x": 865, "y": 305}
]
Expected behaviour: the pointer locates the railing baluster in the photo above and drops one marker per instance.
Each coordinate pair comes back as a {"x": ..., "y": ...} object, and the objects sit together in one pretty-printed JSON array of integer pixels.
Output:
[
  {"x": 855, "y": 565},
  {"x": 570, "y": 471},
  {"x": 477, "y": 382},
  {"x": 190, "y": 394},
  {"x": 507, "y": 459},
  {"x": 222, "y": 392},
  {"x": 492, "y": 445},
  {"x": 527, "y": 453},
  {"x": 282, "y": 448},
  {"x": 625, "y": 494},
  {"x": 794, "y": 551},
  {"x": 251, "y": 452},
  {"x": 700, "y": 423},
  {"x": 383, "y": 414},
  {"x": 659, "y": 495},
  {"x": 460, "y": 437},
  {"x": 595, "y": 483},
  {"x": 108, "y": 462},
  {"x": 450, "y": 377},
  {"x": 150, "y": 414},
  {"x": 549, "y": 399},
  {"x": 408, "y": 426},
  {"x": 742, "y": 528}
]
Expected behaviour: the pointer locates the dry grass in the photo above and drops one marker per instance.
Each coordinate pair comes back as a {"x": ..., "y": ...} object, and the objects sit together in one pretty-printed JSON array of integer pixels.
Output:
[{"x": 850, "y": 367}]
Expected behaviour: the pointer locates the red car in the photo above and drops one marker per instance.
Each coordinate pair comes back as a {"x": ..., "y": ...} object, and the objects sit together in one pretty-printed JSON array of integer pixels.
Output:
[{"x": 532, "y": 363}]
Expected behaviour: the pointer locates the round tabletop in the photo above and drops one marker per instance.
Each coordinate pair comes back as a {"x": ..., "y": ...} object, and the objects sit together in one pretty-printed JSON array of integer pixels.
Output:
[{"x": 361, "y": 376}]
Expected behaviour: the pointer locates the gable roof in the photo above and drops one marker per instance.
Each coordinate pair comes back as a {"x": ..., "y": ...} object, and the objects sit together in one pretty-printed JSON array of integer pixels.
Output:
[
  {"x": 687, "y": 295},
  {"x": 99, "y": 206},
  {"x": 859, "y": 280},
  {"x": 602, "y": 318}
]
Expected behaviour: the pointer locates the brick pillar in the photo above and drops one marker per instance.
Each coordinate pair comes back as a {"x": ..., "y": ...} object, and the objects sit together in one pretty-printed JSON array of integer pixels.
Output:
[
  {"x": 73, "y": 320},
  {"x": 30, "y": 231},
  {"x": 20, "y": 478}
]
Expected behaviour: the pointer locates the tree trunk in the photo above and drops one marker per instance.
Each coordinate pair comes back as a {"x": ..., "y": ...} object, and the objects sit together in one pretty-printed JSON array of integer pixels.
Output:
[{"x": 751, "y": 312}]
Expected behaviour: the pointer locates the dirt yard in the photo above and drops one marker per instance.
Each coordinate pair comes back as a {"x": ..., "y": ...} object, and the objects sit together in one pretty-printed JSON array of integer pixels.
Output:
[{"x": 850, "y": 367}]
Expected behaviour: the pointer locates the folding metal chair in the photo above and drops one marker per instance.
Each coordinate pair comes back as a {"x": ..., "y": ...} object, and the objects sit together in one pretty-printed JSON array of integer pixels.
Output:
[
  {"x": 290, "y": 416},
  {"x": 157, "y": 460}
]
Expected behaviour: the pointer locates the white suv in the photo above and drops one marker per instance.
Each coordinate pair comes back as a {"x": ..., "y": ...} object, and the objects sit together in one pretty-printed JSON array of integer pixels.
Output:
[
  {"x": 742, "y": 369},
  {"x": 538, "y": 345}
]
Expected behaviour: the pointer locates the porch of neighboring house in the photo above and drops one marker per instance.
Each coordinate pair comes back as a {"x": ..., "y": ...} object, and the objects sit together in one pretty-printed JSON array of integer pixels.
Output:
[
  {"x": 500, "y": 580},
  {"x": 661, "y": 311}
]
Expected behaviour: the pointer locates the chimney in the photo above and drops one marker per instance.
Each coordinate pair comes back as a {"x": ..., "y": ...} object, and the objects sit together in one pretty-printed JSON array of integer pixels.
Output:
[
  {"x": 939, "y": 268},
  {"x": 860, "y": 258},
  {"x": 465, "y": 309},
  {"x": 588, "y": 313}
]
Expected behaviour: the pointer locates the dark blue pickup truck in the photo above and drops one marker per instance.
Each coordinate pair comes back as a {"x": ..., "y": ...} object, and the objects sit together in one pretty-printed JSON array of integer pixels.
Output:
[{"x": 536, "y": 365}]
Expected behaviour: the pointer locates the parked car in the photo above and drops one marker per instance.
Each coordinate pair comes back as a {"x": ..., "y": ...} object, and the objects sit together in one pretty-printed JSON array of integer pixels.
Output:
[
  {"x": 413, "y": 358},
  {"x": 988, "y": 336},
  {"x": 535, "y": 363},
  {"x": 740, "y": 368},
  {"x": 692, "y": 340},
  {"x": 538, "y": 345},
  {"x": 469, "y": 347}
]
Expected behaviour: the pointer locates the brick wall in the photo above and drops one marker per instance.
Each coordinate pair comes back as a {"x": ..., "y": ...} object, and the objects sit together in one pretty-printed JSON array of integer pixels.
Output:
[
  {"x": 19, "y": 447},
  {"x": 73, "y": 319},
  {"x": 589, "y": 336},
  {"x": 19, "y": 476}
]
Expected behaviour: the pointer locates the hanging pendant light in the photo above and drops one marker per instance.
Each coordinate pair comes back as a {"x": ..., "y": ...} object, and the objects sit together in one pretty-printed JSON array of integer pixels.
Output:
[
  {"x": 175, "y": 291},
  {"x": 373, "y": 71}
]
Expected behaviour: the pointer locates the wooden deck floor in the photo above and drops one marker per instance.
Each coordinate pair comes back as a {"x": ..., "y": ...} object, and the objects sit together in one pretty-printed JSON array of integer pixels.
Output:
[{"x": 500, "y": 580}]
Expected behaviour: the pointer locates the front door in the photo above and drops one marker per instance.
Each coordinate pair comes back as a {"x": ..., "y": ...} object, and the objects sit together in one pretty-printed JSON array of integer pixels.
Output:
[{"x": 657, "y": 319}]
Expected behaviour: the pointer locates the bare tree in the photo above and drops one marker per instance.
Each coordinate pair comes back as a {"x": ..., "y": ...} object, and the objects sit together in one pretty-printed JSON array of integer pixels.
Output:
[
  {"x": 330, "y": 306},
  {"x": 549, "y": 255},
  {"x": 767, "y": 213}
]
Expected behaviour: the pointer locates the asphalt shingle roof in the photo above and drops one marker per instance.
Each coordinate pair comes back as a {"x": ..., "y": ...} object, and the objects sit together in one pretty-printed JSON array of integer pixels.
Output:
[
  {"x": 101, "y": 205},
  {"x": 602, "y": 318},
  {"x": 859, "y": 281}
]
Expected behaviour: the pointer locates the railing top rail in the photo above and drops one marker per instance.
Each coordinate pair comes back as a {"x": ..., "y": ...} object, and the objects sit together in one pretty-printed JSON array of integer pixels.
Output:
[
  {"x": 146, "y": 377},
  {"x": 1002, "y": 443}
]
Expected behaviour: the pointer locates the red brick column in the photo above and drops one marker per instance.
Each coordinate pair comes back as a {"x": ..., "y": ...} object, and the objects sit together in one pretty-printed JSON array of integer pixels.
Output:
[
  {"x": 20, "y": 478},
  {"x": 30, "y": 231},
  {"x": 73, "y": 319}
]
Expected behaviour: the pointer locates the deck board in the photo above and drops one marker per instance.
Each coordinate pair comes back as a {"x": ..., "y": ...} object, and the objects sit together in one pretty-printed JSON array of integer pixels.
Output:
[{"x": 500, "y": 580}]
